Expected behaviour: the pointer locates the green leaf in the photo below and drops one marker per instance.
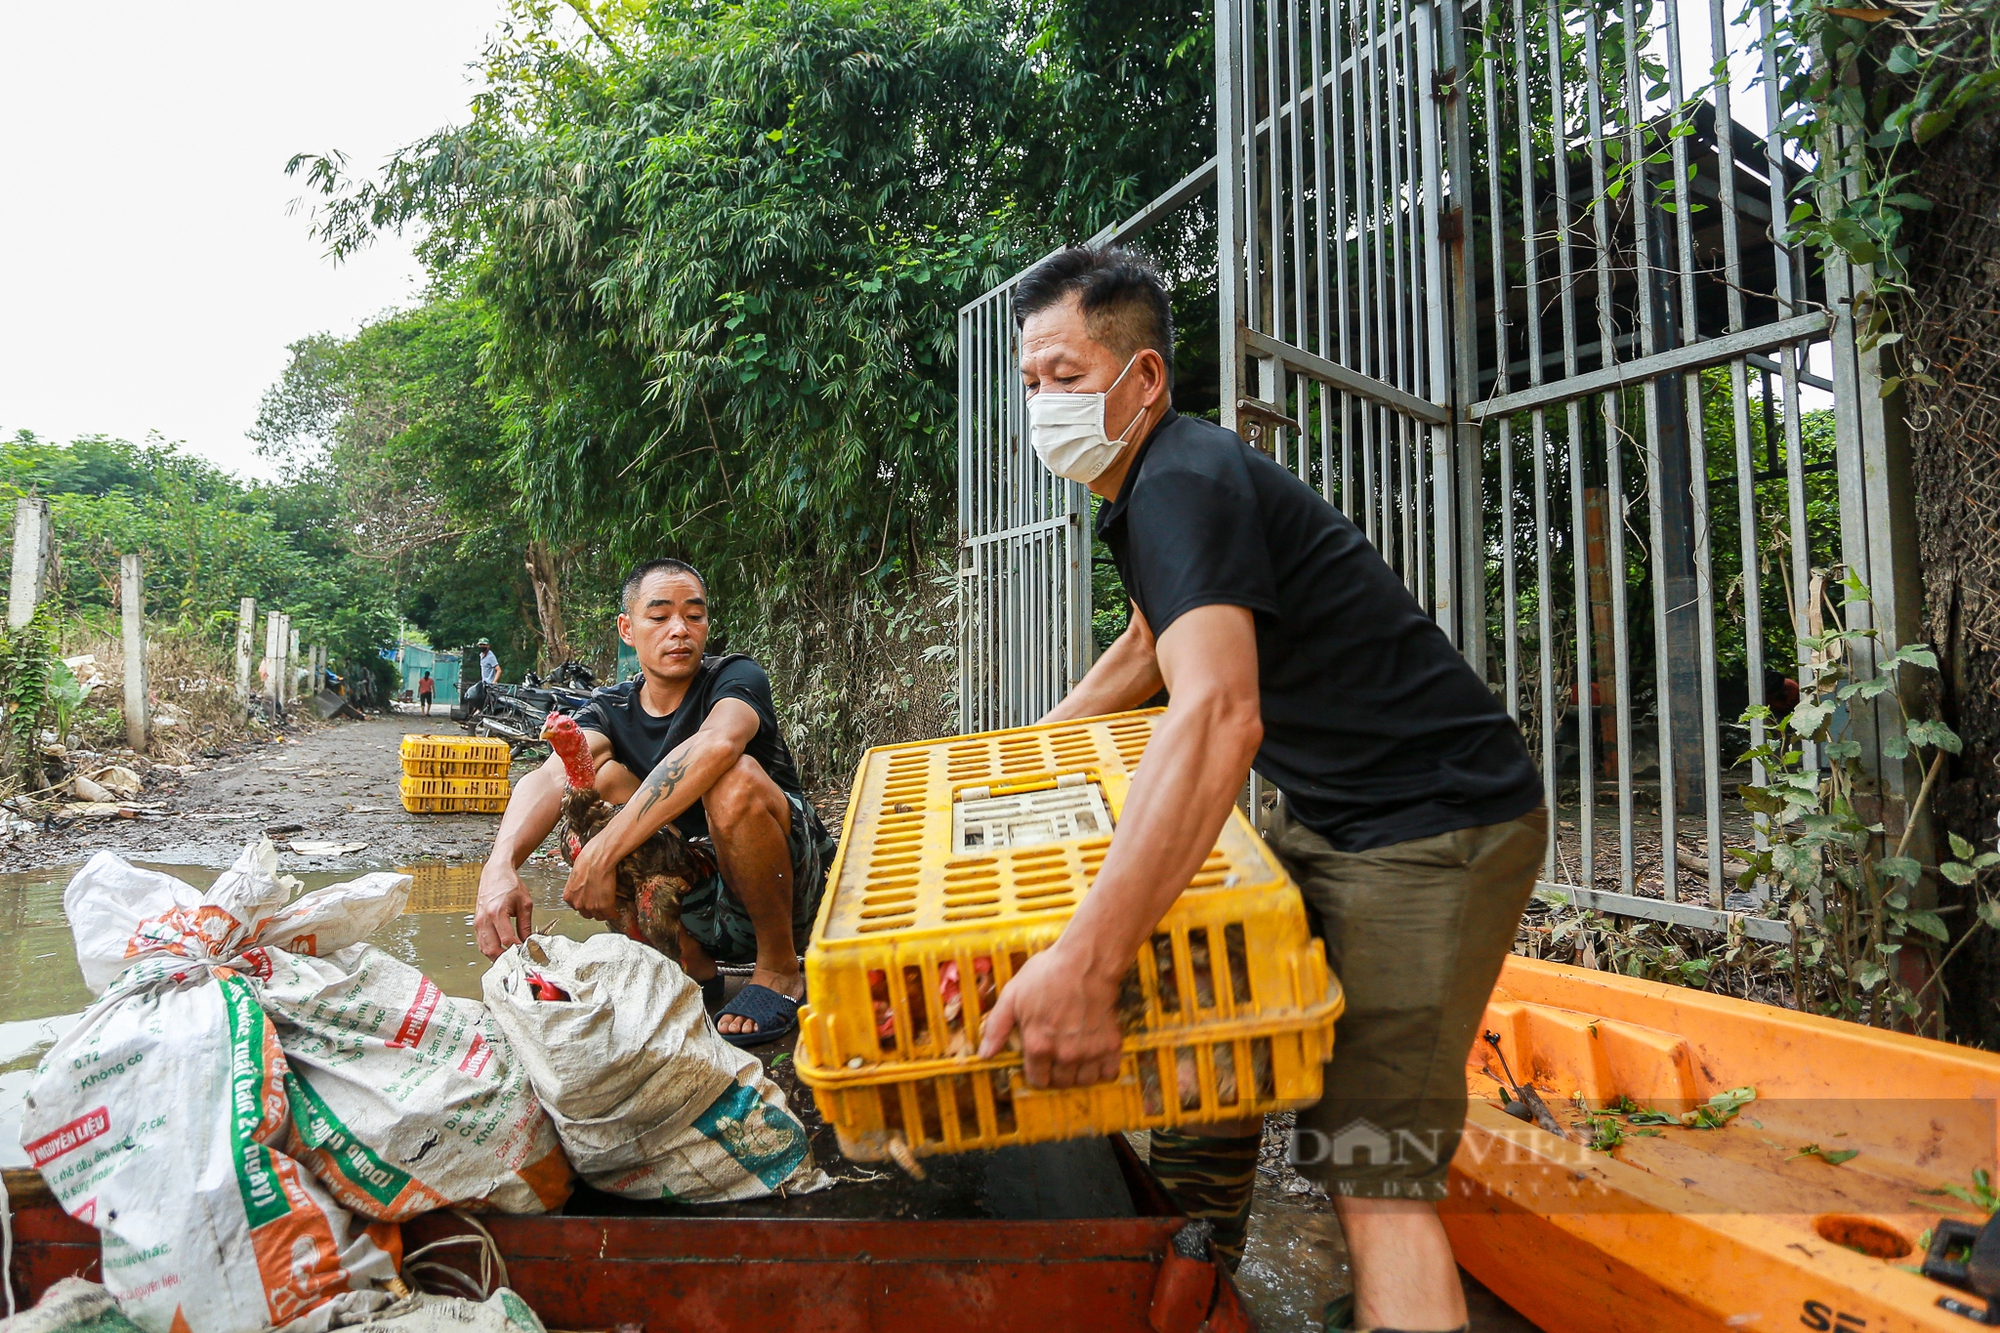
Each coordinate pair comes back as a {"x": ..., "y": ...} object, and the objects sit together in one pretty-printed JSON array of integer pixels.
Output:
[
  {"x": 1807, "y": 719},
  {"x": 1960, "y": 848},
  {"x": 1906, "y": 868},
  {"x": 1931, "y": 124},
  {"x": 1929, "y": 923},
  {"x": 1904, "y": 59},
  {"x": 1831, "y": 1156},
  {"x": 1929, "y": 731},
  {"x": 1720, "y": 1109}
]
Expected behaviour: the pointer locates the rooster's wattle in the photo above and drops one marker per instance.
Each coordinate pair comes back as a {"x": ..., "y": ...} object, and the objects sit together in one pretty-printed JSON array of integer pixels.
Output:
[{"x": 654, "y": 877}]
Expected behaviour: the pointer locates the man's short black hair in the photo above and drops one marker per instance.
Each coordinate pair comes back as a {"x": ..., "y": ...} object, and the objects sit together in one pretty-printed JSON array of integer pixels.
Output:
[
  {"x": 645, "y": 569},
  {"x": 1124, "y": 302}
]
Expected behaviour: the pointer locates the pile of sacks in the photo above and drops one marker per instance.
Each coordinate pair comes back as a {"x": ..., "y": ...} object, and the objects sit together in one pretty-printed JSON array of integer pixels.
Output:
[{"x": 259, "y": 1097}]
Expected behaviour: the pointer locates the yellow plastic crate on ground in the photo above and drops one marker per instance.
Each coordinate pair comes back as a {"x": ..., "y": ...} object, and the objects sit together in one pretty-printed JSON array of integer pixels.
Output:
[
  {"x": 455, "y": 757},
  {"x": 481, "y": 796},
  {"x": 959, "y": 859}
]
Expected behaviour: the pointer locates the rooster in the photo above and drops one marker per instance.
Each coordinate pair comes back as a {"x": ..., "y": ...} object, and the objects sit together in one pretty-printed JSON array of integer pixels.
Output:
[{"x": 657, "y": 873}]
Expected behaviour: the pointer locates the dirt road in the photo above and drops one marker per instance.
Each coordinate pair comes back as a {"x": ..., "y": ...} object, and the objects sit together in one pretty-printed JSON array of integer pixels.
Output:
[{"x": 335, "y": 784}]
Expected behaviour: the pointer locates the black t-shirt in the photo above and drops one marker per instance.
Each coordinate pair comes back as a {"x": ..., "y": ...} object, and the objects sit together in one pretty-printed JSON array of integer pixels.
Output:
[
  {"x": 640, "y": 741},
  {"x": 1375, "y": 728}
]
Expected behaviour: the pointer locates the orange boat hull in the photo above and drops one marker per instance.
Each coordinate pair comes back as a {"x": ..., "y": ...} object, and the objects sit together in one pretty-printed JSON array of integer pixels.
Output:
[{"x": 1723, "y": 1229}]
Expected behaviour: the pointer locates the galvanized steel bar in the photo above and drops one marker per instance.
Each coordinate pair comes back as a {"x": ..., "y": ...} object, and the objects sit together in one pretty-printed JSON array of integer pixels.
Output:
[
  {"x": 1645, "y": 369},
  {"x": 1586, "y": 699},
  {"x": 1614, "y": 466},
  {"x": 1697, "y": 452}
]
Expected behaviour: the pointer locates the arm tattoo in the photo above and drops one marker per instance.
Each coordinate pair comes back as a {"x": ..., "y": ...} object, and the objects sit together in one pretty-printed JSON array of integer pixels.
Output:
[{"x": 660, "y": 783}]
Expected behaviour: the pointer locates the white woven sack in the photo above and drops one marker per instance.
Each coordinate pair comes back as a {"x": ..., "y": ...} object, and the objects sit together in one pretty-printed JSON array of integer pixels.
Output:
[
  {"x": 160, "y": 1117},
  {"x": 647, "y": 1097},
  {"x": 404, "y": 1098}
]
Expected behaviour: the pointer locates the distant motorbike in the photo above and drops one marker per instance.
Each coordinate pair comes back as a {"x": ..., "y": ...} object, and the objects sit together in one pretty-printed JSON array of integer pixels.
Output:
[{"x": 515, "y": 713}]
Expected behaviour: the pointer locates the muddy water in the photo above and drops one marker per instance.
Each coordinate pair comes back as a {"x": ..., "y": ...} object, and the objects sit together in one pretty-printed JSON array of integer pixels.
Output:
[
  {"x": 42, "y": 992},
  {"x": 1294, "y": 1261}
]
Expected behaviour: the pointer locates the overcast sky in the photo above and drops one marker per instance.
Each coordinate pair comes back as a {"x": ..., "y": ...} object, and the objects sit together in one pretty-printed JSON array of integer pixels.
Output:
[{"x": 150, "y": 273}]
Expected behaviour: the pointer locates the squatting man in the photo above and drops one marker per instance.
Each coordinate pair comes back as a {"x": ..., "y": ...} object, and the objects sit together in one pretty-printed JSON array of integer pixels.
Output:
[{"x": 692, "y": 739}]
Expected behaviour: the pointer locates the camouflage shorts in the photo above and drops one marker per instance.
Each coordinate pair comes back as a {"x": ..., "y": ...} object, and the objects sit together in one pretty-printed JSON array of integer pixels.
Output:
[{"x": 717, "y": 918}]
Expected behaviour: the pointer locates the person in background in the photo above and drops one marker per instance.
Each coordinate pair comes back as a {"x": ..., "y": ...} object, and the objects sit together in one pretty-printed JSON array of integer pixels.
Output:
[
  {"x": 1415, "y": 824},
  {"x": 426, "y": 691},
  {"x": 489, "y": 665}
]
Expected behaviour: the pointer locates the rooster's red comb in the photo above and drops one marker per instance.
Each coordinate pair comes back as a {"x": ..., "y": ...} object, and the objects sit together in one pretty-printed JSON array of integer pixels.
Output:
[{"x": 566, "y": 739}]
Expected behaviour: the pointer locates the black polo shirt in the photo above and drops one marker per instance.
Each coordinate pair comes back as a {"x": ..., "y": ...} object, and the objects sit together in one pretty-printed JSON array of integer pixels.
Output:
[
  {"x": 1375, "y": 728},
  {"x": 640, "y": 741}
]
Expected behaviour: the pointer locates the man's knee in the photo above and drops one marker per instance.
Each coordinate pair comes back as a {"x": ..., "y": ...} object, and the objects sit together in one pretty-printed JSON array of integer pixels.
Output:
[{"x": 746, "y": 792}]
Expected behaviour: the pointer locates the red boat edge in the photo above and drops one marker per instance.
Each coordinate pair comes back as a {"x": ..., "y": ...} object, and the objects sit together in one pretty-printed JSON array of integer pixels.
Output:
[{"x": 803, "y": 1275}]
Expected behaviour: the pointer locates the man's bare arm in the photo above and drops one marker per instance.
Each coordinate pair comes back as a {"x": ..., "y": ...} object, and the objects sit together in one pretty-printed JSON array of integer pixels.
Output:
[
  {"x": 504, "y": 914},
  {"x": 1062, "y": 1000},
  {"x": 1125, "y": 676}
]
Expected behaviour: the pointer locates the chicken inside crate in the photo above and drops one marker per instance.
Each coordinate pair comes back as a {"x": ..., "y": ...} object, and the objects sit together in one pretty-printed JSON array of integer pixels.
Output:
[{"x": 962, "y": 858}]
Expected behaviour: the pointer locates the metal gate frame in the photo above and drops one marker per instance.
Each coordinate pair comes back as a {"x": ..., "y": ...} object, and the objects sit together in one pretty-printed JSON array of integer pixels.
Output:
[
  {"x": 1024, "y": 536},
  {"x": 1352, "y": 351}
]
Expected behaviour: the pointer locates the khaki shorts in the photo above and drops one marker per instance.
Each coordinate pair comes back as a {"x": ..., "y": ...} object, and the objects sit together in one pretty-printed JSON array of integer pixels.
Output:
[{"x": 1416, "y": 932}]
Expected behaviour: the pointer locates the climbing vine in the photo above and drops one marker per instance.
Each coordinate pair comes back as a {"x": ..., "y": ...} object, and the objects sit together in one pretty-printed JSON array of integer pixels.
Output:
[
  {"x": 1862, "y": 88},
  {"x": 27, "y": 666},
  {"x": 1849, "y": 888}
]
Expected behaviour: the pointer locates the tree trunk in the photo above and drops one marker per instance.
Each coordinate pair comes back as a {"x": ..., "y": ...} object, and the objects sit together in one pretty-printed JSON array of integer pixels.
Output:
[
  {"x": 545, "y": 572},
  {"x": 1954, "y": 324}
]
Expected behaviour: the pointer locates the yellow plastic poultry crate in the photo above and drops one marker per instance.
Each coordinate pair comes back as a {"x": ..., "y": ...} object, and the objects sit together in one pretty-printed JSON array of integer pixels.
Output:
[
  {"x": 465, "y": 796},
  {"x": 961, "y": 858},
  {"x": 455, "y": 757}
]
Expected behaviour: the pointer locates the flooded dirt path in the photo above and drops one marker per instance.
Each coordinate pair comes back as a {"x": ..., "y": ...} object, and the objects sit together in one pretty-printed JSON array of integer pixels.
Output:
[{"x": 336, "y": 783}]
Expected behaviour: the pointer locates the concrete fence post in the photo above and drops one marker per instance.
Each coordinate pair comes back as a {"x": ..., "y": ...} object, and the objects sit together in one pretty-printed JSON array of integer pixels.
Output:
[
  {"x": 246, "y": 627},
  {"x": 31, "y": 560},
  {"x": 291, "y": 662},
  {"x": 281, "y": 678},
  {"x": 132, "y": 598},
  {"x": 269, "y": 668}
]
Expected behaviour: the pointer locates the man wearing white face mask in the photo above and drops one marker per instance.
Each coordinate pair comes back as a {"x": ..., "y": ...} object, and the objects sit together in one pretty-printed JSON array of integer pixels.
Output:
[{"x": 1416, "y": 822}]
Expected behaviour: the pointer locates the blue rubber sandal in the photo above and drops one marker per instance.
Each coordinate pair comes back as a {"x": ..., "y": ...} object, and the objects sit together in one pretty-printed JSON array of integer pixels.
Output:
[{"x": 764, "y": 1007}]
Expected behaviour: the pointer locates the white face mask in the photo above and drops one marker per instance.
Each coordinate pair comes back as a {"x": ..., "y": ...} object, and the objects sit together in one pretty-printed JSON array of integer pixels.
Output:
[{"x": 1067, "y": 431}]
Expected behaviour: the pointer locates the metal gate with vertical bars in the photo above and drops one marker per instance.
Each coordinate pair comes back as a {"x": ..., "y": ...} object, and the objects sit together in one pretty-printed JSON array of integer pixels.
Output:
[{"x": 1514, "y": 295}]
